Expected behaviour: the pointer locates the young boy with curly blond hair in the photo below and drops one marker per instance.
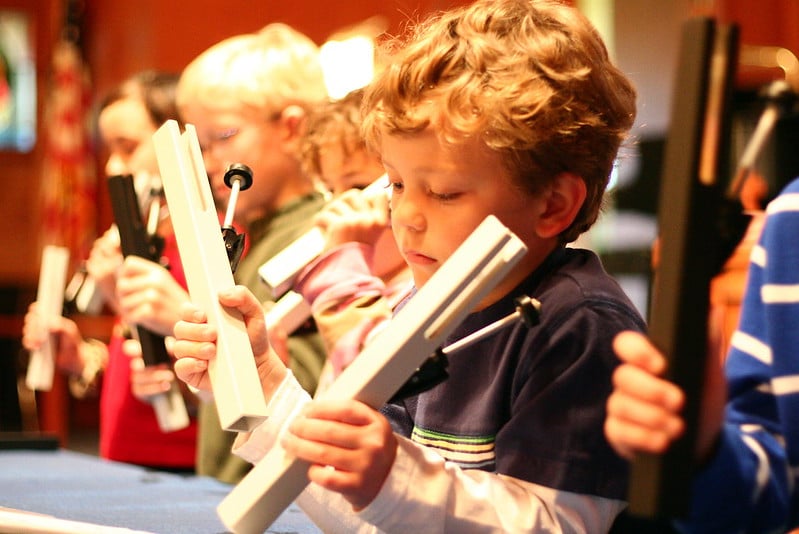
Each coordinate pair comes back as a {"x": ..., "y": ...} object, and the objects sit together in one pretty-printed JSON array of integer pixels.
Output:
[{"x": 509, "y": 108}]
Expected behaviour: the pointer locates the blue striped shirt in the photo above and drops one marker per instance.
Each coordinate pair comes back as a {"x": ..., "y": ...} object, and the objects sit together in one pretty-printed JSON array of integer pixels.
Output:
[{"x": 750, "y": 486}]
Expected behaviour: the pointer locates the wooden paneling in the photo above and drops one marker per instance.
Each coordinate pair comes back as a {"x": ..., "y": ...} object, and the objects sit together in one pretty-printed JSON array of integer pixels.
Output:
[
  {"x": 765, "y": 23},
  {"x": 19, "y": 208},
  {"x": 121, "y": 38}
]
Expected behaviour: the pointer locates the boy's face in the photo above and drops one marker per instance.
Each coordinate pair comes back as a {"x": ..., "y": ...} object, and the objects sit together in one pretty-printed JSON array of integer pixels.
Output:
[
  {"x": 127, "y": 130},
  {"x": 347, "y": 169},
  {"x": 440, "y": 194},
  {"x": 229, "y": 135}
]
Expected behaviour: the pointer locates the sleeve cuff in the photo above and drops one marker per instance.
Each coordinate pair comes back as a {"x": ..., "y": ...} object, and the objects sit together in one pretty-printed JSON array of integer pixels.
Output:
[
  {"x": 394, "y": 488},
  {"x": 346, "y": 265},
  {"x": 284, "y": 405}
]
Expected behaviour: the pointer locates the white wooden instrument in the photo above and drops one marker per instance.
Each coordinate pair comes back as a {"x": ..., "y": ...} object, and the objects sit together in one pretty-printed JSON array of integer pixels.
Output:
[
  {"x": 481, "y": 261},
  {"x": 50, "y": 304},
  {"x": 234, "y": 378}
]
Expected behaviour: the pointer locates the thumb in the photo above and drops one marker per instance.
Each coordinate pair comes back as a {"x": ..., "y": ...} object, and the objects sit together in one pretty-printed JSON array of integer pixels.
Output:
[{"x": 132, "y": 348}]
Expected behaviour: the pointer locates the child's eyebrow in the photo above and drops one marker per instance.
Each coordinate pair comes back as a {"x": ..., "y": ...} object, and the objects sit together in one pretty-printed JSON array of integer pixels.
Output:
[
  {"x": 386, "y": 163},
  {"x": 424, "y": 171}
]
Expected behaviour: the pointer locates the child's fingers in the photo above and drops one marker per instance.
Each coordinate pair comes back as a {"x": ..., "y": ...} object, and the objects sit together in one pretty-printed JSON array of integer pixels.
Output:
[
  {"x": 628, "y": 438},
  {"x": 644, "y": 413},
  {"x": 343, "y": 434},
  {"x": 353, "y": 457},
  {"x": 132, "y": 348},
  {"x": 192, "y": 314},
  {"x": 316, "y": 434},
  {"x": 193, "y": 372},
  {"x": 338, "y": 480},
  {"x": 201, "y": 350},
  {"x": 634, "y": 348},
  {"x": 636, "y": 383},
  {"x": 345, "y": 411},
  {"x": 641, "y": 421},
  {"x": 147, "y": 382},
  {"x": 243, "y": 300}
]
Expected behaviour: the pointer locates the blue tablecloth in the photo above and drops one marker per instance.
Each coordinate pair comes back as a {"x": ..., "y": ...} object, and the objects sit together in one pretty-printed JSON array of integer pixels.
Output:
[{"x": 79, "y": 487}]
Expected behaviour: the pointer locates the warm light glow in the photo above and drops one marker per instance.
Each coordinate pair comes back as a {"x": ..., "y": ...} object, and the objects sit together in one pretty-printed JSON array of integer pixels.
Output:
[
  {"x": 347, "y": 64},
  {"x": 601, "y": 13}
]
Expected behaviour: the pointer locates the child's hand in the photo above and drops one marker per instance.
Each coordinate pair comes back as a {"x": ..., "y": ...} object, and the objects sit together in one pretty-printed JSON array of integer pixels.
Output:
[
  {"x": 354, "y": 216},
  {"x": 351, "y": 448},
  {"x": 644, "y": 409},
  {"x": 148, "y": 295},
  {"x": 67, "y": 337},
  {"x": 194, "y": 346},
  {"x": 32, "y": 329},
  {"x": 146, "y": 381},
  {"x": 195, "y": 342},
  {"x": 103, "y": 262}
]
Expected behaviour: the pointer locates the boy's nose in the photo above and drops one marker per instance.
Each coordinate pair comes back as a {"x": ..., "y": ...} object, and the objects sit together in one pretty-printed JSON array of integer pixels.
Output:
[{"x": 405, "y": 214}]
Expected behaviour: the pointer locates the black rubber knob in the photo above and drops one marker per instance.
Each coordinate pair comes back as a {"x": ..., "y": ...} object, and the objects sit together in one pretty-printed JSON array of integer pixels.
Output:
[
  {"x": 529, "y": 310},
  {"x": 239, "y": 172},
  {"x": 779, "y": 93}
]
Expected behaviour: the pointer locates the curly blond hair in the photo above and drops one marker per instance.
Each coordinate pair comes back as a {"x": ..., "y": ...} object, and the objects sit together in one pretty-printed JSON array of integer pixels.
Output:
[
  {"x": 531, "y": 79},
  {"x": 334, "y": 121}
]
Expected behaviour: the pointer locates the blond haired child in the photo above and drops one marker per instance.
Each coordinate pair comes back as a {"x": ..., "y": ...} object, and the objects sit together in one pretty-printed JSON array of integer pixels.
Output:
[
  {"x": 353, "y": 287},
  {"x": 334, "y": 150},
  {"x": 248, "y": 97}
]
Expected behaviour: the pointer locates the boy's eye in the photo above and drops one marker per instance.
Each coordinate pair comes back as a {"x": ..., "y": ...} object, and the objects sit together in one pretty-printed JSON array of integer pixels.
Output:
[
  {"x": 396, "y": 186},
  {"x": 125, "y": 148},
  {"x": 218, "y": 137},
  {"x": 224, "y": 135},
  {"x": 444, "y": 196}
]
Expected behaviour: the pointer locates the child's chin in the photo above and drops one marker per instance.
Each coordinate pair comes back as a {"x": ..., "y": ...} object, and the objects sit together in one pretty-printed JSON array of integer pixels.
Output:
[{"x": 419, "y": 279}]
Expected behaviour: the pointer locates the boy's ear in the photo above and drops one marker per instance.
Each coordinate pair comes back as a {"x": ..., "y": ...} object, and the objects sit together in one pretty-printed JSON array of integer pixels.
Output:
[
  {"x": 292, "y": 120},
  {"x": 564, "y": 198}
]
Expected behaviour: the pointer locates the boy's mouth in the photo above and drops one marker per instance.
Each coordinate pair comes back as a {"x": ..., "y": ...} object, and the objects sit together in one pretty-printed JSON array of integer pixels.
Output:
[{"x": 414, "y": 257}]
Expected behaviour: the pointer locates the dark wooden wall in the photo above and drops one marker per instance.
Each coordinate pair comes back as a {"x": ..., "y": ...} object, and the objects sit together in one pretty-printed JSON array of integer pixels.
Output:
[
  {"x": 121, "y": 38},
  {"x": 124, "y": 37}
]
